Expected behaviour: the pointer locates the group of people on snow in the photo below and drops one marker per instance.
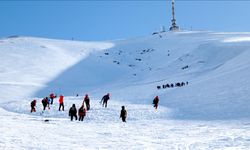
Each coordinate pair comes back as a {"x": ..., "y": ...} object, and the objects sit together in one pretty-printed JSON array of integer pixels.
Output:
[
  {"x": 47, "y": 101},
  {"x": 171, "y": 85},
  {"x": 81, "y": 111}
]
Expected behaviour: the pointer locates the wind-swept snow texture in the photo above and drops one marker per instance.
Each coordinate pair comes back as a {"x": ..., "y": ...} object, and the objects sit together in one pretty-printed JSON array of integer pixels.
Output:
[{"x": 210, "y": 112}]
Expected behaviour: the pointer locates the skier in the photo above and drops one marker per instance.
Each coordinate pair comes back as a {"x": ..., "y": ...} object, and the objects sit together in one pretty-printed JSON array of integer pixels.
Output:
[
  {"x": 81, "y": 113},
  {"x": 33, "y": 105},
  {"x": 156, "y": 102},
  {"x": 52, "y": 96},
  {"x": 45, "y": 103},
  {"x": 87, "y": 101},
  {"x": 61, "y": 103},
  {"x": 73, "y": 112},
  {"x": 123, "y": 114},
  {"x": 105, "y": 99}
]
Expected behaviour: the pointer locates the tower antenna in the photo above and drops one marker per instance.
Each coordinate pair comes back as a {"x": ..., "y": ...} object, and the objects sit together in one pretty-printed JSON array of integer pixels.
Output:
[{"x": 174, "y": 27}]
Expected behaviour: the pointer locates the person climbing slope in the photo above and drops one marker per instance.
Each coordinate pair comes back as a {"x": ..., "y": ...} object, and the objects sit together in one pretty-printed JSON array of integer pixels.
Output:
[
  {"x": 73, "y": 112},
  {"x": 45, "y": 103},
  {"x": 33, "y": 105},
  {"x": 61, "y": 103},
  {"x": 123, "y": 114},
  {"x": 105, "y": 99},
  {"x": 87, "y": 101},
  {"x": 156, "y": 102},
  {"x": 52, "y": 96},
  {"x": 81, "y": 113}
]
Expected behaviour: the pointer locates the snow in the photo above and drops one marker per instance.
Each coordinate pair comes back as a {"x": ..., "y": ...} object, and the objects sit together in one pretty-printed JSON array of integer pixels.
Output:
[
  {"x": 211, "y": 112},
  {"x": 238, "y": 39}
]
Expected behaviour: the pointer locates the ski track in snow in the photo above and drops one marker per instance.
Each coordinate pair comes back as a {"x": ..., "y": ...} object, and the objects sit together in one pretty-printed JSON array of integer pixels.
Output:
[{"x": 146, "y": 128}]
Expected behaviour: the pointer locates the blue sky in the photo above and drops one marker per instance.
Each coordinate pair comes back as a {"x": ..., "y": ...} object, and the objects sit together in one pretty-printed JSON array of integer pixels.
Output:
[{"x": 105, "y": 20}]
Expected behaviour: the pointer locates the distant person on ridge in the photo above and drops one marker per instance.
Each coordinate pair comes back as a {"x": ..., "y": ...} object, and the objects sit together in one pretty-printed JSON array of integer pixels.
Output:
[
  {"x": 73, "y": 112},
  {"x": 52, "y": 96},
  {"x": 105, "y": 99},
  {"x": 87, "y": 101},
  {"x": 156, "y": 102},
  {"x": 33, "y": 105},
  {"x": 45, "y": 103},
  {"x": 81, "y": 113},
  {"x": 61, "y": 103},
  {"x": 123, "y": 114}
]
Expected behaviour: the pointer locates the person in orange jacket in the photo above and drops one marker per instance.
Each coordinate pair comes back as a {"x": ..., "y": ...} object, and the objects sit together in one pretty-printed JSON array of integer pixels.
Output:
[{"x": 61, "y": 103}]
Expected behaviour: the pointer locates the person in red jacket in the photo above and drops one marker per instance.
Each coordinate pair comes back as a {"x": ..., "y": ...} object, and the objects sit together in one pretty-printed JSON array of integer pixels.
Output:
[
  {"x": 61, "y": 103},
  {"x": 156, "y": 102},
  {"x": 52, "y": 96},
  {"x": 33, "y": 105},
  {"x": 87, "y": 101},
  {"x": 81, "y": 113}
]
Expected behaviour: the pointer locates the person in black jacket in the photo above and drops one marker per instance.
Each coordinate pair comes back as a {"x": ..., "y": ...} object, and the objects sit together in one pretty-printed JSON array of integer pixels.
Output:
[
  {"x": 156, "y": 102},
  {"x": 45, "y": 103},
  {"x": 73, "y": 112},
  {"x": 33, "y": 105},
  {"x": 105, "y": 99},
  {"x": 123, "y": 114}
]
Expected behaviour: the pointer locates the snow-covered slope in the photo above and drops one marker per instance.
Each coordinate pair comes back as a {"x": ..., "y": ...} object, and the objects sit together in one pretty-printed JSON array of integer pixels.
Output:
[
  {"x": 210, "y": 111},
  {"x": 216, "y": 65},
  {"x": 28, "y": 64}
]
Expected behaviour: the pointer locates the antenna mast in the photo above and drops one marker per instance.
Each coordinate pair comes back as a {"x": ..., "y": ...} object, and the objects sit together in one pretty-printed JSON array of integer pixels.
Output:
[{"x": 174, "y": 27}]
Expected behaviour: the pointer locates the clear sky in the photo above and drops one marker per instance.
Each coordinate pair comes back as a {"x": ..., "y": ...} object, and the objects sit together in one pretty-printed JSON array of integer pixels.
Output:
[{"x": 105, "y": 20}]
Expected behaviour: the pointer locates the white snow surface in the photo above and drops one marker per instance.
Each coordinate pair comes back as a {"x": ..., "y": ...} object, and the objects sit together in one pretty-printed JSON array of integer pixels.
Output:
[{"x": 210, "y": 112}]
